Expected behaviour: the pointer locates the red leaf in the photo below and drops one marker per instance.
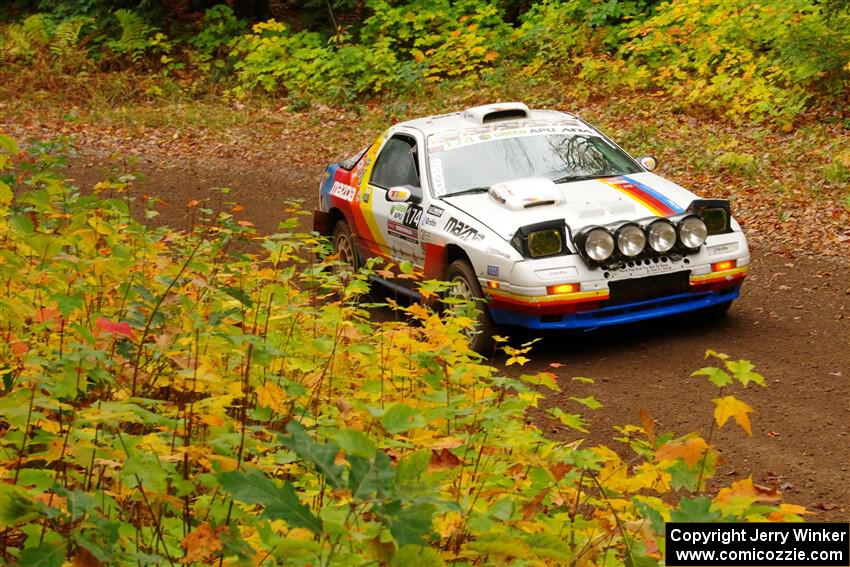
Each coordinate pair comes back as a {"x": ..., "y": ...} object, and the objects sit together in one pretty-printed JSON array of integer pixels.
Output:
[
  {"x": 115, "y": 328},
  {"x": 443, "y": 459}
]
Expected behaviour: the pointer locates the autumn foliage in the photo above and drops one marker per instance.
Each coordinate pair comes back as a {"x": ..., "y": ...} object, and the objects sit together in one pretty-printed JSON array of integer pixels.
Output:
[{"x": 212, "y": 395}]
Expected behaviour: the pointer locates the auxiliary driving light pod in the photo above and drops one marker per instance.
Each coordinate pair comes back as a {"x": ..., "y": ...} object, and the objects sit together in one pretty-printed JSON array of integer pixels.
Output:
[
  {"x": 661, "y": 236},
  {"x": 598, "y": 244},
  {"x": 692, "y": 232},
  {"x": 631, "y": 240}
]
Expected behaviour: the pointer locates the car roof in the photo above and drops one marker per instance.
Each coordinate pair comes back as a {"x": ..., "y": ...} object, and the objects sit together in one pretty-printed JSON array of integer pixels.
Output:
[{"x": 497, "y": 115}]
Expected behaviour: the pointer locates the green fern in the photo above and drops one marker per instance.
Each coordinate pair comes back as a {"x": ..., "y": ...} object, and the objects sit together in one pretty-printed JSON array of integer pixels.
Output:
[
  {"x": 25, "y": 39},
  {"x": 67, "y": 34},
  {"x": 135, "y": 35}
]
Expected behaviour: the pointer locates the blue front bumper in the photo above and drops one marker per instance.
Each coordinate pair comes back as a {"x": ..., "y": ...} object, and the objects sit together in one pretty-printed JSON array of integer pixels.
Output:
[{"x": 618, "y": 314}]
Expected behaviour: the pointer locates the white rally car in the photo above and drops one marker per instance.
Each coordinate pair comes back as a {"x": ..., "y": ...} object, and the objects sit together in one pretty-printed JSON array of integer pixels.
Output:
[{"x": 537, "y": 214}]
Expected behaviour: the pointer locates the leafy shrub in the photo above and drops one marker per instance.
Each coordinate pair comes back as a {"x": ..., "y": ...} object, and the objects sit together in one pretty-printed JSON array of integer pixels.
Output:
[
  {"x": 217, "y": 30},
  {"x": 445, "y": 39},
  {"x": 187, "y": 396},
  {"x": 277, "y": 60},
  {"x": 736, "y": 57}
]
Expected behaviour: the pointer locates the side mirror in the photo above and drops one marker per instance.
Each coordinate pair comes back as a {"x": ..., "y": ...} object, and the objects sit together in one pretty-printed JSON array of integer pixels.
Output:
[
  {"x": 649, "y": 163},
  {"x": 404, "y": 194}
]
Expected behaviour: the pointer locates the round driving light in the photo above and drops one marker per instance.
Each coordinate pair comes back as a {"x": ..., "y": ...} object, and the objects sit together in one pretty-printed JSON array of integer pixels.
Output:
[
  {"x": 599, "y": 244},
  {"x": 662, "y": 236},
  {"x": 631, "y": 240},
  {"x": 692, "y": 232}
]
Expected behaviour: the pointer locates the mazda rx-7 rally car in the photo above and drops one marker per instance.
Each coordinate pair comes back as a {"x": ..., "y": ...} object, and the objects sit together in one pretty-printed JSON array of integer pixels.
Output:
[{"x": 537, "y": 215}]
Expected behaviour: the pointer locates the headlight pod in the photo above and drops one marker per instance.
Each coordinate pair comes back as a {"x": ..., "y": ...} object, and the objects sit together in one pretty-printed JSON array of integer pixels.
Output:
[
  {"x": 541, "y": 240},
  {"x": 716, "y": 213},
  {"x": 631, "y": 240},
  {"x": 661, "y": 235},
  {"x": 547, "y": 242},
  {"x": 692, "y": 232},
  {"x": 595, "y": 243}
]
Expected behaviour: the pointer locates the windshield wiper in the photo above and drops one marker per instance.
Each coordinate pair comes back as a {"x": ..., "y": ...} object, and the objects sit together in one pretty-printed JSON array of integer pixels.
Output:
[
  {"x": 467, "y": 191},
  {"x": 568, "y": 178}
]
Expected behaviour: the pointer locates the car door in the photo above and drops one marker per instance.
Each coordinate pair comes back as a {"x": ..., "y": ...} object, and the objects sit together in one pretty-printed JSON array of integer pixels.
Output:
[{"x": 397, "y": 165}]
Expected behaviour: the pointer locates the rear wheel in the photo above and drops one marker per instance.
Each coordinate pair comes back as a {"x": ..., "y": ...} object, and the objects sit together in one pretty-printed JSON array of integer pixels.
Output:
[{"x": 465, "y": 285}]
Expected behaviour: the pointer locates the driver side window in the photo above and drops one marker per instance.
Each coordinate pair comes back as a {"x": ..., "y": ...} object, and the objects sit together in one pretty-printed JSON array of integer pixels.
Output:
[{"x": 397, "y": 163}]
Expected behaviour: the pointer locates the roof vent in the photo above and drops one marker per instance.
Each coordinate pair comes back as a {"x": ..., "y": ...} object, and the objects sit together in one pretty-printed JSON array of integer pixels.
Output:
[{"x": 496, "y": 112}]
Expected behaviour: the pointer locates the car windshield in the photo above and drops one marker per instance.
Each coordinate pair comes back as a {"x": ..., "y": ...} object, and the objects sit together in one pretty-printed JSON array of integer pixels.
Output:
[{"x": 475, "y": 166}]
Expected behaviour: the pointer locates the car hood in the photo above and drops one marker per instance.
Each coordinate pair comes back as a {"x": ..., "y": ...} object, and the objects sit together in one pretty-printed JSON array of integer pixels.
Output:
[{"x": 511, "y": 205}]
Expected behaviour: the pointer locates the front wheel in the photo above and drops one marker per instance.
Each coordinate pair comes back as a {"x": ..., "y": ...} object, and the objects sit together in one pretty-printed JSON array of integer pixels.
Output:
[
  {"x": 465, "y": 285},
  {"x": 343, "y": 246},
  {"x": 717, "y": 311}
]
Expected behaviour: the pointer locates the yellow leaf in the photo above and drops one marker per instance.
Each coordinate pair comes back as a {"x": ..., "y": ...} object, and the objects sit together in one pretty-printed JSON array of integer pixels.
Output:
[
  {"x": 690, "y": 451},
  {"x": 272, "y": 396},
  {"x": 730, "y": 406}
]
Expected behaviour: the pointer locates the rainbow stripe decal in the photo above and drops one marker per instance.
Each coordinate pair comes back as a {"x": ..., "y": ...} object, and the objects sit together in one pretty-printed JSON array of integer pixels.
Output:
[{"x": 648, "y": 197}]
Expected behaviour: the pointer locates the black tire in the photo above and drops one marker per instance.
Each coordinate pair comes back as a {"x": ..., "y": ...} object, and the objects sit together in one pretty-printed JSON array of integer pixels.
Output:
[
  {"x": 717, "y": 311},
  {"x": 481, "y": 340},
  {"x": 343, "y": 245}
]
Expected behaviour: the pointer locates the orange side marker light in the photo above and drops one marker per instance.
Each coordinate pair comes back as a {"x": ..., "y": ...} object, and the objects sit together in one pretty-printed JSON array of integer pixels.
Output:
[
  {"x": 562, "y": 288},
  {"x": 724, "y": 265}
]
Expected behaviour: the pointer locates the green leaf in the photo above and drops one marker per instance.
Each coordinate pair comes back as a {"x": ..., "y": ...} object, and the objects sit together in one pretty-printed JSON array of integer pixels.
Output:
[
  {"x": 694, "y": 510},
  {"x": 411, "y": 467},
  {"x": 288, "y": 507},
  {"x": 682, "y": 476},
  {"x": 743, "y": 372},
  {"x": 5, "y": 193},
  {"x": 354, "y": 443},
  {"x": 401, "y": 417},
  {"x": 715, "y": 375},
  {"x": 251, "y": 487},
  {"x": 47, "y": 554},
  {"x": 281, "y": 503},
  {"x": 572, "y": 420},
  {"x": 649, "y": 513},
  {"x": 410, "y": 525},
  {"x": 9, "y": 144},
  {"x": 589, "y": 402},
  {"x": 368, "y": 477},
  {"x": 322, "y": 456}
]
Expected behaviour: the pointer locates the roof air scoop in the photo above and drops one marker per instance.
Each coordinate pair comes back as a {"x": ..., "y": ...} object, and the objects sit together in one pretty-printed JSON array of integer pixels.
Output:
[
  {"x": 525, "y": 193},
  {"x": 496, "y": 112}
]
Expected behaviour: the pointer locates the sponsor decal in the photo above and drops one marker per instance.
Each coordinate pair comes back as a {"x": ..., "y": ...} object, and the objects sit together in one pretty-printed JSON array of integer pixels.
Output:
[
  {"x": 435, "y": 210},
  {"x": 397, "y": 212},
  {"x": 461, "y": 230},
  {"x": 448, "y": 141},
  {"x": 437, "y": 177},
  {"x": 398, "y": 194},
  {"x": 403, "y": 222},
  {"x": 404, "y": 232},
  {"x": 493, "y": 271},
  {"x": 428, "y": 221},
  {"x": 343, "y": 191}
]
